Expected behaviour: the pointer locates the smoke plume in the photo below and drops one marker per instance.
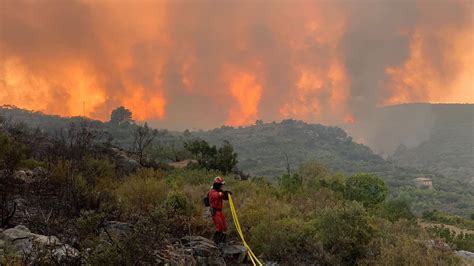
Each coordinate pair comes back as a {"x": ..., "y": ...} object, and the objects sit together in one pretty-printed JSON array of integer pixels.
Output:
[{"x": 200, "y": 64}]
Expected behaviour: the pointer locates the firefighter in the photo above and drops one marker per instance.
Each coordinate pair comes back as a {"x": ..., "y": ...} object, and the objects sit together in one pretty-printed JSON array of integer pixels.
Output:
[{"x": 216, "y": 198}]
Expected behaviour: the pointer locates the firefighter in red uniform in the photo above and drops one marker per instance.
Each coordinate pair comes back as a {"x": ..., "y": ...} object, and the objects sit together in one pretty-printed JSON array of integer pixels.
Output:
[{"x": 216, "y": 197}]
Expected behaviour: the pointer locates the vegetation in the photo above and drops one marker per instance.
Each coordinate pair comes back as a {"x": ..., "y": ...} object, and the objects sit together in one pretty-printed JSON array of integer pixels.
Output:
[
  {"x": 223, "y": 159},
  {"x": 121, "y": 115},
  {"x": 311, "y": 214},
  {"x": 274, "y": 149},
  {"x": 367, "y": 189},
  {"x": 437, "y": 216}
]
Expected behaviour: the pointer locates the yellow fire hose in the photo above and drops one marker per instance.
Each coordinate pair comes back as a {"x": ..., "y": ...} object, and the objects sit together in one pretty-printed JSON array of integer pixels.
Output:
[{"x": 252, "y": 256}]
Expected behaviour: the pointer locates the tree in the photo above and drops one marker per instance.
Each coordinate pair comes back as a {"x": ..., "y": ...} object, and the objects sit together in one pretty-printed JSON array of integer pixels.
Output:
[
  {"x": 366, "y": 188},
  {"x": 223, "y": 159},
  {"x": 203, "y": 152},
  {"x": 226, "y": 158},
  {"x": 121, "y": 115},
  {"x": 143, "y": 137}
]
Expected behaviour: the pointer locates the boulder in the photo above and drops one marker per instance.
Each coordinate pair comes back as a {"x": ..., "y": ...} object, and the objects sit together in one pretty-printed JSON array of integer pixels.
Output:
[
  {"x": 24, "y": 175},
  {"x": 30, "y": 176},
  {"x": 118, "y": 228},
  {"x": 196, "y": 250},
  {"x": 466, "y": 255},
  {"x": 40, "y": 173},
  {"x": 125, "y": 163},
  {"x": 24, "y": 243},
  {"x": 234, "y": 253}
]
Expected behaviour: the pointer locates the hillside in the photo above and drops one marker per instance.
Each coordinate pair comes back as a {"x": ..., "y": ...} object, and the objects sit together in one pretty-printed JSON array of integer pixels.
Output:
[
  {"x": 449, "y": 148},
  {"x": 79, "y": 200},
  {"x": 266, "y": 149}
]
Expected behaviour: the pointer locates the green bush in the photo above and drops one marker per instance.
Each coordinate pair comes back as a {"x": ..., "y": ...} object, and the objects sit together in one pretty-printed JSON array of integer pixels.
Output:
[
  {"x": 289, "y": 241},
  {"x": 178, "y": 204},
  {"x": 445, "y": 218},
  {"x": 346, "y": 232},
  {"x": 461, "y": 240},
  {"x": 141, "y": 193},
  {"x": 291, "y": 183},
  {"x": 396, "y": 209},
  {"x": 93, "y": 169},
  {"x": 365, "y": 188}
]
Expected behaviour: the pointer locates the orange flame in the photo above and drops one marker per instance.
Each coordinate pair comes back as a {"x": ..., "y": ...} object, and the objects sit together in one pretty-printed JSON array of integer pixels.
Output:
[
  {"x": 247, "y": 92},
  {"x": 164, "y": 59},
  {"x": 441, "y": 74}
]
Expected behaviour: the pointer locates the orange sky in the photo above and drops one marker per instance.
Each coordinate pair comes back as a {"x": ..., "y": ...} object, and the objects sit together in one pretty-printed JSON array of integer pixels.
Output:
[{"x": 207, "y": 63}]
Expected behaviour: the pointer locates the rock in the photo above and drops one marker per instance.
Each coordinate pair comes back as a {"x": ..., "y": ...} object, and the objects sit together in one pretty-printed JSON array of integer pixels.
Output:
[
  {"x": 65, "y": 251},
  {"x": 30, "y": 245},
  {"x": 465, "y": 254},
  {"x": 30, "y": 176},
  {"x": 19, "y": 232},
  {"x": 40, "y": 173},
  {"x": 196, "y": 250},
  {"x": 22, "y": 228},
  {"x": 182, "y": 164},
  {"x": 125, "y": 164},
  {"x": 235, "y": 253},
  {"x": 119, "y": 228},
  {"x": 24, "y": 175}
]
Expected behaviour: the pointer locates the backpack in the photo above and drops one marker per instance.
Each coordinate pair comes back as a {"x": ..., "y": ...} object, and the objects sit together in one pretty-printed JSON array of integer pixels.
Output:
[{"x": 205, "y": 200}]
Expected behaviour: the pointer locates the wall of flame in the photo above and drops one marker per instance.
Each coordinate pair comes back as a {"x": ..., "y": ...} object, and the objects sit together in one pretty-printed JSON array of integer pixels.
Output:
[{"x": 206, "y": 63}]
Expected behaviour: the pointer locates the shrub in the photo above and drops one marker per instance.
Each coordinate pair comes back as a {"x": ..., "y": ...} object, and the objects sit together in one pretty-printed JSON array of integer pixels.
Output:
[
  {"x": 139, "y": 194},
  {"x": 404, "y": 243},
  {"x": 365, "y": 188},
  {"x": 313, "y": 172},
  {"x": 145, "y": 241},
  {"x": 346, "y": 232},
  {"x": 93, "y": 169},
  {"x": 178, "y": 204},
  {"x": 289, "y": 241},
  {"x": 461, "y": 240},
  {"x": 395, "y": 210},
  {"x": 291, "y": 183}
]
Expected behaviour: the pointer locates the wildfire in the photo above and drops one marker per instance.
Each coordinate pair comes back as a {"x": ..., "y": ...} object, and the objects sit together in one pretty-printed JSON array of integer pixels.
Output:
[
  {"x": 440, "y": 73},
  {"x": 227, "y": 62},
  {"x": 247, "y": 92}
]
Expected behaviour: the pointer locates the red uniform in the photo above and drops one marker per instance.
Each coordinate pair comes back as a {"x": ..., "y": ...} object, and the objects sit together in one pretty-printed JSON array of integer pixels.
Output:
[{"x": 216, "y": 201}]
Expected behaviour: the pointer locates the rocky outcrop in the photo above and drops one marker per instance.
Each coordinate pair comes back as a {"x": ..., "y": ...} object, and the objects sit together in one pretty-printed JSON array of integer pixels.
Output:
[
  {"x": 125, "y": 164},
  {"x": 465, "y": 255},
  {"x": 30, "y": 176},
  {"x": 197, "y": 250},
  {"x": 20, "y": 242}
]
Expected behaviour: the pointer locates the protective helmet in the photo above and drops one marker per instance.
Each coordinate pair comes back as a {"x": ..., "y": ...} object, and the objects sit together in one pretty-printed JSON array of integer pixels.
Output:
[{"x": 219, "y": 180}]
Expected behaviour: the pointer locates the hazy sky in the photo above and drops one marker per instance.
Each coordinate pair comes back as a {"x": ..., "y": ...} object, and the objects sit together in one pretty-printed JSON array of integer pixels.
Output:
[{"x": 201, "y": 64}]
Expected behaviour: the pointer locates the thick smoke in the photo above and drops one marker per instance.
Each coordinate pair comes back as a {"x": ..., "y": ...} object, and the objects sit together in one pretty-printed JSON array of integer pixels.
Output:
[{"x": 200, "y": 64}]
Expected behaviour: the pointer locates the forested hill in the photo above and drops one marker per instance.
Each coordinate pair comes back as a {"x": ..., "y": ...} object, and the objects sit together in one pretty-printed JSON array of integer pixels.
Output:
[{"x": 267, "y": 149}]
